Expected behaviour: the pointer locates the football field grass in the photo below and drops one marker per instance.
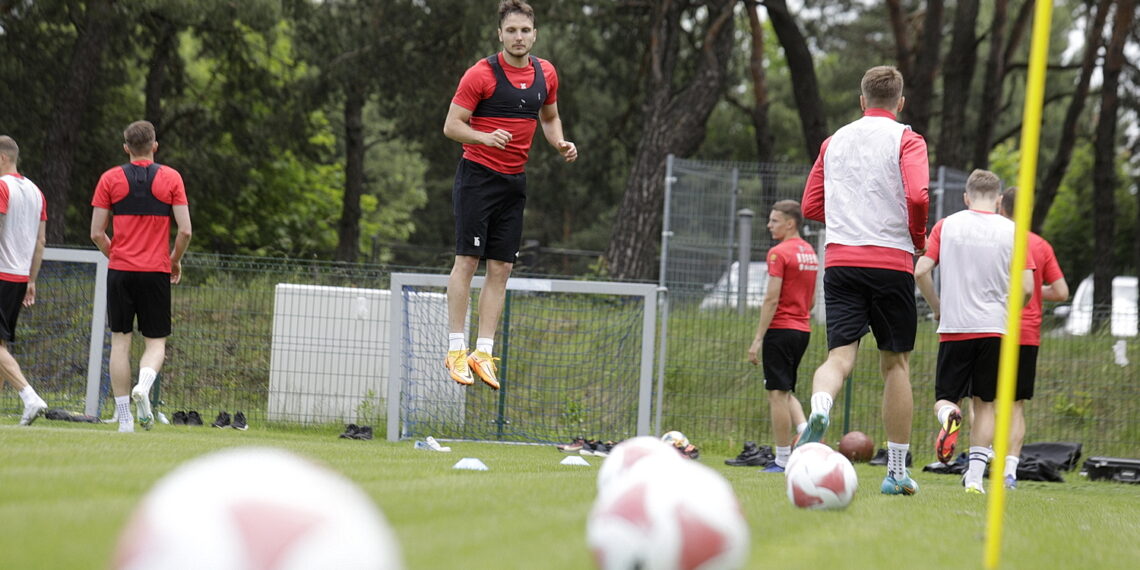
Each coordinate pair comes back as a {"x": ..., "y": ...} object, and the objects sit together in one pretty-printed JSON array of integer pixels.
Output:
[{"x": 66, "y": 491}]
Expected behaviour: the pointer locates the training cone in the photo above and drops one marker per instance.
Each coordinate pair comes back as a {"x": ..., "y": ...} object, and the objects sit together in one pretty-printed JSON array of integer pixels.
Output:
[
  {"x": 471, "y": 463},
  {"x": 574, "y": 460}
]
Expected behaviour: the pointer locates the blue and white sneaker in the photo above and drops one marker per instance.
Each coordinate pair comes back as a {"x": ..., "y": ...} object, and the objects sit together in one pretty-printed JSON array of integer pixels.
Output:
[
  {"x": 772, "y": 468},
  {"x": 1010, "y": 482},
  {"x": 904, "y": 486},
  {"x": 813, "y": 433}
]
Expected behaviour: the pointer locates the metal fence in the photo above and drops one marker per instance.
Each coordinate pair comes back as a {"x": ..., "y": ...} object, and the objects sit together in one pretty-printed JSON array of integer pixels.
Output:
[{"x": 1086, "y": 384}]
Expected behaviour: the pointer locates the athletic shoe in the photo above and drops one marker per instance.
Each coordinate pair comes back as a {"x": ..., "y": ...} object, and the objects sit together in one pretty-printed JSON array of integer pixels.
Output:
[
  {"x": 142, "y": 403},
  {"x": 239, "y": 422},
  {"x": 813, "y": 433},
  {"x": 456, "y": 363},
  {"x": 179, "y": 418},
  {"x": 33, "y": 411},
  {"x": 223, "y": 420},
  {"x": 588, "y": 447},
  {"x": 350, "y": 431},
  {"x": 193, "y": 418},
  {"x": 881, "y": 458},
  {"x": 573, "y": 446},
  {"x": 484, "y": 366},
  {"x": 689, "y": 451},
  {"x": 1010, "y": 482},
  {"x": 948, "y": 436},
  {"x": 127, "y": 428},
  {"x": 904, "y": 486},
  {"x": 365, "y": 432},
  {"x": 434, "y": 445},
  {"x": 975, "y": 489},
  {"x": 752, "y": 456},
  {"x": 772, "y": 467}
]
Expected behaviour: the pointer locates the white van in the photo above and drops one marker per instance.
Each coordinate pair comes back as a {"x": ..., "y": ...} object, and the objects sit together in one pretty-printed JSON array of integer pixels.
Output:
[
  {"x": 724, "y": 292},
  {"x": 1124, "y": 300}
]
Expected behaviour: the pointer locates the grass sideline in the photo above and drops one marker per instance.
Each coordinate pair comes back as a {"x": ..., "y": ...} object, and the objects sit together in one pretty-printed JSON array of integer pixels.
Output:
[{"x": 66, "y": 491}]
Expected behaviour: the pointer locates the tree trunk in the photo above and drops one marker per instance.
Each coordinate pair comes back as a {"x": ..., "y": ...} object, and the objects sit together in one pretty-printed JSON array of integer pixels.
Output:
[
  {"x": 348, "y": 229},
  {"x": 904, "y": 52},
  {"x": 919, "y": 86},
  {"x": 805, "y": 87},
  {"x": 673, "y": 122},
  {"x": 70, "y": 104},
  {"x": 1104, "y": 164},
  {"x": 765, "y": 142},
  {"x": 991, "y": 87},
  {"x": 1047, "y": 191},
  {"x": 165, "y": 47},
  {"x": 958, "y": 71}
]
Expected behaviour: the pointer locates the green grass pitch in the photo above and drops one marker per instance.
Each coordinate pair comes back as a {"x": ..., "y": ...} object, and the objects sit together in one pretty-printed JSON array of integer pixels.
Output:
[{"x": 66, "y": 491}]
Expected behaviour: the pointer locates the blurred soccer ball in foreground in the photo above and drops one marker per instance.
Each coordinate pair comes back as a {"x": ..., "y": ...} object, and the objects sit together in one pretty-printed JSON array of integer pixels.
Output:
[
  {"x": 676, "y": 439},
  {"x": 629, "y": 453},
  {"x": 818, "y": 477},
  {"x": 256, "y": 508},
  {"x": 668, "y": 514}
]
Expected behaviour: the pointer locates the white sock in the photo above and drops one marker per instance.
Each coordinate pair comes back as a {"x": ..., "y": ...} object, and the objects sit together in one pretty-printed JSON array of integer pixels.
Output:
[
  {"x": 29, "y": 395},
  {"x": 944, "y": 412},
  {"x": 896, "y": 459},
  {"x": 782, "y": 454},
  {"x": 800, "y": 427},
  {"x": 123, "y": 410},
  {"x": 979, "y": 458},
  {"x": 821, "y": 403},
  {"x": 1011, "y": 462},
  {"x": 484, "y": 344},
  {"x": 456, "y": 341},
  {"x": 146, "y": 378}
]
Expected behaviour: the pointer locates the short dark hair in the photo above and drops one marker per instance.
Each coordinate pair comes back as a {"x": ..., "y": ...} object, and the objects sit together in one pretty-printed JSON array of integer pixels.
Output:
[
  {"x": 882, "y": 86},
  {"x": 9, "y": 148},
  {"x": 508, "y": 7},
  {"x": 139, "y": 137},
  {"x": 1008, "y": 200},
  {"x": 791, "y": 209}
]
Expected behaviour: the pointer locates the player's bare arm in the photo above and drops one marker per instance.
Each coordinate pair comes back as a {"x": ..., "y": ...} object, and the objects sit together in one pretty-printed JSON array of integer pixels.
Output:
[
  {"x": 37, "y": 261},
  {"x": 457, "y": 127},
  {"x": 552, "y": 129},
  {"x": 100, "y": 217},
  {"x": 925, "y": 282},
  {"x": 181, "y": 241},
  {"x": 767, "y": 313}
]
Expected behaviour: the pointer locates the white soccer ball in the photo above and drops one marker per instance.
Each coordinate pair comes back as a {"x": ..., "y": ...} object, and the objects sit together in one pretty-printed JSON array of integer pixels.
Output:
[
  {"x": 676, "y": 439},
  {"x": 625, "y": 455},
  {"x": 818, "y": 477},
  {"x": 246, "y": 508},
  {"x": 666, "y": 514}
]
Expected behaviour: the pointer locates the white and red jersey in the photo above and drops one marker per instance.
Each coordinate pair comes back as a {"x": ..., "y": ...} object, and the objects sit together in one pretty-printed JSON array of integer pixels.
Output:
[
  {"x": 869, "y": 187},
  {"x": 974, "y": 249},
  {"x": 794, "y": 261},
  {"x": 479, "y": 84},
  {"x": 1048, "y": 271},
  {"x": 24, "y": 208}
]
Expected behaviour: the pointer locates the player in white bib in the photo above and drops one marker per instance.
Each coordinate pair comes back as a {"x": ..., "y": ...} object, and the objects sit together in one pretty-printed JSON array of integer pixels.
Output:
[{"x": 974, "y": 248}]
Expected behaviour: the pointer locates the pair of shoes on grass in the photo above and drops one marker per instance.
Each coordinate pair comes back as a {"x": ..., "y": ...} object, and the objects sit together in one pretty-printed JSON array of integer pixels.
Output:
[
  {"x": 597, "y": 448},
  {"x": 191, "y": 418},
  {"x": 752, "y": 456},
  {"x": 224, "y": 420},
  {"x": 353, "y": 431}
]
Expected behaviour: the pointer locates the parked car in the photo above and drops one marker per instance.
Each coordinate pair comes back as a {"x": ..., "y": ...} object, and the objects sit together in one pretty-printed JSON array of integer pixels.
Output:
[
  {"x": 724, "y": 292},
  {"x": 1078, "y": 315}
]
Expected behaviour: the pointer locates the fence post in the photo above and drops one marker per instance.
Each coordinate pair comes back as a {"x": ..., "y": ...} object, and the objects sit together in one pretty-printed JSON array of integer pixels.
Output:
[
  {"x": 666, "y": 233},
  {"x": 743, "y": 258}
]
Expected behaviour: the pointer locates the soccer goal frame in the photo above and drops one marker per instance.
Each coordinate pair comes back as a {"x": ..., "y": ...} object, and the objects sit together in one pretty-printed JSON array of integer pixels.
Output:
[
  {"x": 98, "y": 317},
  {"x": 400, "y": 354}
]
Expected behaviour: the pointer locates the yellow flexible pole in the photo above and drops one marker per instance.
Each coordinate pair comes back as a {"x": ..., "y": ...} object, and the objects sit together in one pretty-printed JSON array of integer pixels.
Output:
[{"x": 1023, "y": 209}]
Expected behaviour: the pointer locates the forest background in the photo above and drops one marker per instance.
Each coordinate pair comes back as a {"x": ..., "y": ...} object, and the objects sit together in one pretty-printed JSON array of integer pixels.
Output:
[{"x": 313, "y": 129}]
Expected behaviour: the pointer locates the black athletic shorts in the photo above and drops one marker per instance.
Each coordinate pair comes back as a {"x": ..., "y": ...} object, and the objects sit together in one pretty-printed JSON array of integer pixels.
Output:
[
  {"x": 145, "y": 294},
  {"x": 858, "y": 298},
  {"x": 781, "y": 354},
  {"x": 967, "y": 368},
  {"x": 11, "y": 300},
  {"x": 1026, "y": 372},
  {"x": 488, "y": 208}
]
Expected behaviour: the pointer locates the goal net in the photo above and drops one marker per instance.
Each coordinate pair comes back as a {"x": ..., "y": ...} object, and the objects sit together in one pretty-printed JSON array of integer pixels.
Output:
[
  {"x": 60, "y": 339},
  {"x": 576, "y": 359}
]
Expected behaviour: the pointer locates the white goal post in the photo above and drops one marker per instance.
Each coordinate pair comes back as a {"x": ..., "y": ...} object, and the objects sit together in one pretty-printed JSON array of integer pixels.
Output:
[
  {"x": 98, "y": 314},
  {"x": 550, "y": 389}
]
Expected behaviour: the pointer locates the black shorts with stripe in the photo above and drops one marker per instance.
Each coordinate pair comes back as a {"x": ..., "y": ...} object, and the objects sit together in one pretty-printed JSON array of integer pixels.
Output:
[
  {"x": 142, "y": 294},
  {"x": 11, "y": 301},
  {"x": 488, "y": 208},
  {"x": 781, "y": 355}
]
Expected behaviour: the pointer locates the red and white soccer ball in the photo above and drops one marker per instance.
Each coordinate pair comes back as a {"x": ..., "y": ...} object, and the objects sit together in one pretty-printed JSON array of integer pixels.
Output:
[
  {"x": 819, "y": 477},
  {"x": 251, "y": 507},
  {"x": 625, "y": 455},
  {"x": 666, "y": 514}
]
